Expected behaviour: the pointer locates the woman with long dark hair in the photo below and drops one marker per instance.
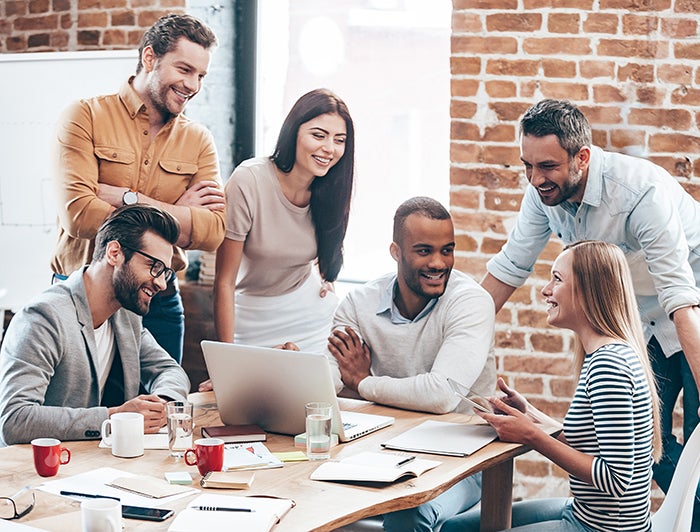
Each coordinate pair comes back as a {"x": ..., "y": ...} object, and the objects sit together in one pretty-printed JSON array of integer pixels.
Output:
[{"x": 286, "y": 219}]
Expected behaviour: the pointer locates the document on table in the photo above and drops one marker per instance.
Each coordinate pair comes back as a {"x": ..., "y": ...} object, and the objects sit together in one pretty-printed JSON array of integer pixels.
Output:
[
  {"x": 441, "y": 437},
  {"x": 373, "y": 467},
  {"x": 230, "y": 512},
  {"x": 96, "y": 482}
]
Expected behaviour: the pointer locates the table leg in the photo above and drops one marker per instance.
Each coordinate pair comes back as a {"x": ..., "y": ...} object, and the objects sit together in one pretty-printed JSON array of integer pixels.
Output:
[{"x": 497, "y": 497}]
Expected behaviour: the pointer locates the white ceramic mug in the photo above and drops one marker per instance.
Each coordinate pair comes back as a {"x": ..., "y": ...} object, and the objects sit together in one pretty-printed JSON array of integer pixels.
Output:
[
  {"x": 124, "y": 433},
  {"x": 101, "y": 515}
]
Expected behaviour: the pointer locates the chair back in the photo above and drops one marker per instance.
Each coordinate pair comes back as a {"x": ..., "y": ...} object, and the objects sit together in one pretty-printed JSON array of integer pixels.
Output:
[{"x": 676, "y": 512}]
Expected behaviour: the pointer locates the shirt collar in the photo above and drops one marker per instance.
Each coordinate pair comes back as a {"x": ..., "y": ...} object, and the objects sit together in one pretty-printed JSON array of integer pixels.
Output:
[
  {"x": 386, "y": 304},
  {"x": 132, "y": 101},
  {"x": 593, "y": 195}
]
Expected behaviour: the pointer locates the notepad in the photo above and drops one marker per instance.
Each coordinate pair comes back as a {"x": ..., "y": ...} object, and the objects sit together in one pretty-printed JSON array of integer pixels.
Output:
[
  {"x": 441, "y": 437},
  {"x": 254, "y": 455},
  {"x": 237, "y": 480},
  {"x": 373, "y": 467},
  {"x": 267, "y": 513}
]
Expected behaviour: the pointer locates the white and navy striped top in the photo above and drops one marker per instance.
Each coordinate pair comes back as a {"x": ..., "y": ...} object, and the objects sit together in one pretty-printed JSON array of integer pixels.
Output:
[{"x": 610, "y": 418}]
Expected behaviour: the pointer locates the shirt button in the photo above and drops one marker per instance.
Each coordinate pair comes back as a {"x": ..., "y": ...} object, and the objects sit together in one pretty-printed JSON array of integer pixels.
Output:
[
  {"x": 652, "y": 323},
  {"x": 145, "y": 132},
  {"x": 114, "y": 154},
  {"x": 178, "y": 168},
  {"x": 146, "y": 162}
]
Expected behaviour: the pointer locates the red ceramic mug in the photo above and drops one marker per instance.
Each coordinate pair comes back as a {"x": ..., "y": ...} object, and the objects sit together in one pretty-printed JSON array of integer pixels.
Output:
[
  {"x": 208, "y": 455},
  {"x": 48, "y": 455}
]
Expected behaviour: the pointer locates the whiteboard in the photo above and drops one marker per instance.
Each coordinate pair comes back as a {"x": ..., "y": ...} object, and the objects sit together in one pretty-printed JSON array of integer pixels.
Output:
[{"x": 36, "y": 88}]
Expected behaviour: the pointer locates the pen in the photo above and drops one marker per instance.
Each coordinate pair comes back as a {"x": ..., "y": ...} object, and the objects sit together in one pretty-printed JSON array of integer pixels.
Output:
[
  {"x": 405, "y": 461},
  {"x": 88, "y": 495},
  {"x": 222, "y": 509}
]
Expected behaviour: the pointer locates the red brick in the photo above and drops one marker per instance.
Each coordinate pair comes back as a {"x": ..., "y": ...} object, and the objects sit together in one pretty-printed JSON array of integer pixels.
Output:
[
  {"x": 676, "y": 166},
  {"x": 66, "y": 21},
  {"x": 529, "y": 385},
  {"x": 509, "y": 340},
  {"x": 639, "y": 24},
  {"x": 671, "y": 118},
  {"x": 557, "y": 46},
  {"x": 533, "y": 468},
  {"x": 636, "y": 72},
  {"x": 597, "y": 69},
  {"x": 679, "y": 28},
  {"x": 46, "y": 22},
  {"x": 464, "y": 87},
  {"x": 558, "y": 68},
  {"x": 466, "y": 22},
  {"x": 16, "y": 8},
  {"x": 583, "y": 5},
  {"x": 123, "y": 17},
  {"x": 674, "y": 143},
  {"x": 38, "y": 40},
  {"x": 636, "y": 5},
  {"x": 135, "y": 37},
  {"x": 532, "y": 318},
  {"x": 478, "y": 222},
  {"x": 465, "y": 198},
  {"x": 501, "y": 89},
  {"x": 60, "y": 40},
  {"x": 499, "y": 133},
  {"x": 685, "y": 96},
  {"x": 114, "y": 37},
  {"x": 608, "y": 93},
  {"x": 571, "y": 91},
  {"x": 466, "y": 243},
  {"x": 645, "y": 49},
  {"x": 462, "y": 109},
  {"x": 520, "y": 22},
  {"x": 687, "y": 6},
  {"x": 502, "y": 201},
  {"x": 504, "y": 316},
  {"x": 563, "y": 387},
  {"x": 39, "y": 6},
  {"x": 458, "y": 5},
  {"x": 489, "y": 178},
  {"x": 600, "y": 23},
  {"x": 484, "y": 45},
  {"x": 686, "y": 50},
  {"x": 92, "y": 20},
  {"x": 16, "y": 43},
  {"x": 148, "y": 18},
  {"x": 61, "y": 5},
  {"x": 651, "y": 95},
  {"x": 502, "y": 155},
  {"x": 491, "y": 246},
  {"x": 460, "y": 130},
  {"x": 676, "y": 74},
  {"x": 522, "y": 296},
  {"x": 465, "y": 152},
  {"x": 474, "y": 266},
  {"x": 537, "y": 365},
  {"x": 547, "y": 342},
  {"x": 89, "y": 37},
  {"x": 693, "y": 189},
  {"x": 102, "y": 4},
  {"x": 624, "y": 138},
  {"x": 465, "y": 65},
  {"x": 510, "y": 67},
  {"x": 564, "y": 23},
  {"x": 509, "y": 110}
]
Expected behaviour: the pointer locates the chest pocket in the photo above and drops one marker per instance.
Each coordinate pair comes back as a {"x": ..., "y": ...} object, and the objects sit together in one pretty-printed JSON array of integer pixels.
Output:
[{"x": 117, "y": 166}]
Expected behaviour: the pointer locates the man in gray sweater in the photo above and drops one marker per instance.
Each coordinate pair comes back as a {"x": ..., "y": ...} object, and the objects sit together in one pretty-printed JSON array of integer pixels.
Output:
[
  {"x": 78, "y": 353},
  {"x": 397, "y": 339}
]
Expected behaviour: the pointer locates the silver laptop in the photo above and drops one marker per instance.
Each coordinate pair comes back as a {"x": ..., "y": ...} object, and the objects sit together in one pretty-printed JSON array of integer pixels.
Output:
[{"x": 269, "y": 387}]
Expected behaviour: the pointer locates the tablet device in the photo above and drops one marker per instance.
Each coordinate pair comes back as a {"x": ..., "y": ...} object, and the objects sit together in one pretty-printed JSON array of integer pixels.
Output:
[{"x": 476, "y": 401}]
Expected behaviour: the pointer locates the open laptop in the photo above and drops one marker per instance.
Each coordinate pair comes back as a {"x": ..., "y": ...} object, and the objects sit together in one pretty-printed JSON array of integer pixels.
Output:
[{"x": 269, "y": 387}]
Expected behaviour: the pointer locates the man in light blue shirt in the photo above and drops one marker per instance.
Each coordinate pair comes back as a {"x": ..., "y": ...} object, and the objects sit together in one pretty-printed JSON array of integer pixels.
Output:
[{"x": 580, "y": 192}]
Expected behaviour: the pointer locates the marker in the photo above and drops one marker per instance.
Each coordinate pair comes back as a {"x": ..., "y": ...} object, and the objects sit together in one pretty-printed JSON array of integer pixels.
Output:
[
  {"x": 88, "y": 495},
  {"x": 405, "y": 461},
  {"x": 221, "y": 509}
]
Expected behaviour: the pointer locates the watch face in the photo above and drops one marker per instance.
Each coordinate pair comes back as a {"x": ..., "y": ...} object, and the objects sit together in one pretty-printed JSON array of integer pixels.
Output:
[{"x": 130, "y": 197}]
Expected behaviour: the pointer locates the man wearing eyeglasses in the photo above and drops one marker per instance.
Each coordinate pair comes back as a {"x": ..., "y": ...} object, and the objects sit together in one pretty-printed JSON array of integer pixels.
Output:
[
  {"x": 137, "y": 146},
  {"x": 78, "y": 353}
]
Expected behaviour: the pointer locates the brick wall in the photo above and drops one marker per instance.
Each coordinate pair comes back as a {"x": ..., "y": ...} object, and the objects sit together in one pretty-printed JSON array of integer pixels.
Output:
[
  {"x": 633, "y": 66},
  {"x": 71, "y": 25}
]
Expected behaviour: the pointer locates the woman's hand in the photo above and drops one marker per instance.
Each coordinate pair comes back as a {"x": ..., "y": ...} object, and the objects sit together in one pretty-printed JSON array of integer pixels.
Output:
[
  {"x": 326, "y": 287},
  {"x": 512, "y": 398},
  {"x": 512, "y": 425}
]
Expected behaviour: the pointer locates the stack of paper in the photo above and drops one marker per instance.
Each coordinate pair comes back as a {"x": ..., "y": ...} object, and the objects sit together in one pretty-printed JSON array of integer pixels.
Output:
[
  {"x": 440, "y": 437},
  {"x": 249, "y": 456}
]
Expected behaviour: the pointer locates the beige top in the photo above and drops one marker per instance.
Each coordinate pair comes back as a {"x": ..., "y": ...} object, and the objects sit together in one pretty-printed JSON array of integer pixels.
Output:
[{"x": 280, "y": 240}]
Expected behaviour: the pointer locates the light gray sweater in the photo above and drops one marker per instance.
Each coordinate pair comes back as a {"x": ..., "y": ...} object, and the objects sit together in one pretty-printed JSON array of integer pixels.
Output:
[{"x": 411, "y": 361}]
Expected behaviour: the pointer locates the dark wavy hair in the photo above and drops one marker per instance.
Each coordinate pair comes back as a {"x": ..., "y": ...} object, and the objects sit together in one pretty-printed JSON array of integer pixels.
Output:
[
  {"x": 127, "y": 225},
  {"x": 330, "y": 195},
  {"x": 561, "y": 118},
  {"x": 167, "y": 30}
]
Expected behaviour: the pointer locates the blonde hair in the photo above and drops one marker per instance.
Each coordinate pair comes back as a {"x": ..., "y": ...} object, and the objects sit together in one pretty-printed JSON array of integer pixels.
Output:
[{"x": 603, "y": 284}]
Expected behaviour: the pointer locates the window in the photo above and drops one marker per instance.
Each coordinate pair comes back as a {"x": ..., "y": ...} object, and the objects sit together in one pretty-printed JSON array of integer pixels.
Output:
[{"x": 389, "y": 61}]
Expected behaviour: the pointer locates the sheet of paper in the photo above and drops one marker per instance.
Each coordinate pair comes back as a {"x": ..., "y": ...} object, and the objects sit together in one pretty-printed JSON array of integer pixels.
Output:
[
  {"x": 95, "y": 482},
  {"x": 441, "y": 437}
]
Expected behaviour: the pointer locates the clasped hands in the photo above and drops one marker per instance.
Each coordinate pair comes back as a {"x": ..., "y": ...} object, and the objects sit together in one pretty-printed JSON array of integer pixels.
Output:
[{"x": 352, "y": 354}]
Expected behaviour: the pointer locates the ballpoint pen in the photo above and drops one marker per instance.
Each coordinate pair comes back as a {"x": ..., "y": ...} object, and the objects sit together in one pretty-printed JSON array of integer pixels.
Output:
[
  {"x": 88, "y": 495},
  {"x": 405, "y": 461},
  {"x": 221, "y": 509}
]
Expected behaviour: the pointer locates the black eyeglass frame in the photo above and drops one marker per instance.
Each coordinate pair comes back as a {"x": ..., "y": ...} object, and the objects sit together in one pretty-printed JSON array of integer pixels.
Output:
[
  {"x": 158, "y": 267},
  {"x": 19, "y": 515}
]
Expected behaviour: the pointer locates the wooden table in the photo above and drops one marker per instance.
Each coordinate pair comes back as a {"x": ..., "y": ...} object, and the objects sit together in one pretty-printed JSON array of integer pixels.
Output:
[{"x": 320, "y": 505}]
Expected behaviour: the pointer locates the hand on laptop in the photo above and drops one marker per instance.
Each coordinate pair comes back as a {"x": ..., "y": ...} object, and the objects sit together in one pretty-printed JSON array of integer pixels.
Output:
[{"x": 352, "y": 354}]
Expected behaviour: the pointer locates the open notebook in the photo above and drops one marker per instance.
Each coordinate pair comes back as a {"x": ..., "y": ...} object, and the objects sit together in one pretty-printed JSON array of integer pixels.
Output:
[{"x": 269, "y": 388}]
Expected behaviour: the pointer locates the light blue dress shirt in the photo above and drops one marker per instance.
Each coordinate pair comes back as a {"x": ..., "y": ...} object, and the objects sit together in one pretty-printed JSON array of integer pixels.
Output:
[{"x": 636, "y": 205}]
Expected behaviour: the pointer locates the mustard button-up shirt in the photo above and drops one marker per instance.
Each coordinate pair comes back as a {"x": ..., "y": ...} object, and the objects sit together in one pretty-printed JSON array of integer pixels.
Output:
[{"x": 106, "y": 140}]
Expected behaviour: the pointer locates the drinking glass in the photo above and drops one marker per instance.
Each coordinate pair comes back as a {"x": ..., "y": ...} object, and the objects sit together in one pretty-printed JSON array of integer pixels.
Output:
[{"x": 179, "y": 427}]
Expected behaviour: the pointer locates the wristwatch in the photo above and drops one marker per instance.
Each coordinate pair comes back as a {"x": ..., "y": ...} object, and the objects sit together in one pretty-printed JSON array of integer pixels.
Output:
[{"x": 130, "y": 197}]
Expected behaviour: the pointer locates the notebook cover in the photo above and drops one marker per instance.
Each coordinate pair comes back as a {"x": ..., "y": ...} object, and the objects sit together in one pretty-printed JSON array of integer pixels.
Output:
[{"x": 235, "y": 433}]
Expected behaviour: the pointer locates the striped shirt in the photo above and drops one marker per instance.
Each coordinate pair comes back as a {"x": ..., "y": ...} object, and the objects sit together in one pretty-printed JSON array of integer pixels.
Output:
[{"x": 610, "y": 418}]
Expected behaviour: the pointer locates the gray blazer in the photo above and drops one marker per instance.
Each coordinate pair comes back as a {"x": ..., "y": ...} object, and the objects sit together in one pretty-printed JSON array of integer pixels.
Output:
[{"x": 48, "y": 383}]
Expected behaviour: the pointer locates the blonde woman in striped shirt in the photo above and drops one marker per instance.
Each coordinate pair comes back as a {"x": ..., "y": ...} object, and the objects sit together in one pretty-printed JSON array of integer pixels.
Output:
[{"x": 611, "y": 433}]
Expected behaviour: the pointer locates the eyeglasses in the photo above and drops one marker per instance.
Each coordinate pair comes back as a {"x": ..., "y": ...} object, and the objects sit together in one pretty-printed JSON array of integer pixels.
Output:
[
  {"x": 158, "y": 268},
  {"x": 17, "y": 506}
]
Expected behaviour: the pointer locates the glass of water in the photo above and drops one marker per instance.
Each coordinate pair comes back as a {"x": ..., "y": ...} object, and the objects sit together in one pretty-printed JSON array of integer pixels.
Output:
[
  {"x": 318, "y": 431},
  {"x": 179, "y": 427}
]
